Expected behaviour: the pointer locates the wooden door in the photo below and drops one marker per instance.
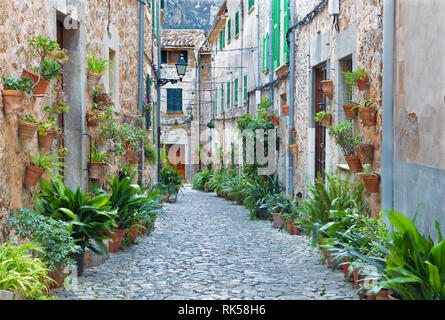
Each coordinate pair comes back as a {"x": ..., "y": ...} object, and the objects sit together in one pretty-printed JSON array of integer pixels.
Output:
[{"x": 320, "y": 131}]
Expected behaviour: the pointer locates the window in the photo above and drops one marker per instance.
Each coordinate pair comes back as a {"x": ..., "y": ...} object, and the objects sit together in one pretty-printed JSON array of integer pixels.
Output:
[
  {"x": 245, "y": 87},
  {"x": 266, "y": 53},
  {"x": 235, "y": 92},
  {"x": 215, "y": 104},
  {"x": 222, "y": 97},
  {"x": 237, "y": 23},
  {"x": 285, "y": 29},
  {"x": 229, "y": 30},
  {"x": 164, "y": 56},
  {"x": 251, "y": 5},
  {"x": 276, "y": 33},
  {"x": 224, "y": 37},
  {"x": 174, "y": 100},
  {"x": 228, "y": 94},
  {"x": 173, "y": 56}
]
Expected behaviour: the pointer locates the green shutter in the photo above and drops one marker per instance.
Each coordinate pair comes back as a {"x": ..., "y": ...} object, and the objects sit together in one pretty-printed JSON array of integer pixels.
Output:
[
  {"x": 148, "y": 95},
  {"x": 229, "y": 30},
  {"x": 228, "y": 94},
  {"x": 245, "y": 87},
  {"x": 235, "y": 93},
  {"x": 266, "y": 53},
  {"x": 236, "y": 23},
  {"x": 174, "y": 100},
  {"x": 251, "y": 4},
  {"x": 222, "y": 97},
  {"x": 276, "y": 33},
  {"x": 286, "y": 28},
  {"x": 224, "y": 37}
]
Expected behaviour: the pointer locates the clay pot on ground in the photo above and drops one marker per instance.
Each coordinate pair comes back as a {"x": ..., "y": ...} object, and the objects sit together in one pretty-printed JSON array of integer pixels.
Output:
[
  {"x": 363, "y": 85},
  {"x": 12, "y": 101},
  {"x": 381, "y": 295},
  {"x": 328, "y": 88},
  {"x": 32, "y": 175},
  {"x": 46, "y": 142},
  {"x": 40, "y": 83},
  {"x": 134, "y": 230},
  {"x": 327, "y": 120},
  {"x": 277, "y": 220},
  {"x": 206, "y": 189},
  {"x": 93, "y": 78},
  {"x": 354, "y": 163},
  {"x": 368, "y": 116},
  {"x": 27, "y": 129},
  {"x": 371, "y": 183},
  {"x": 285, "y": 109},
  {"x": 345, "y": 267},
  {"x": 132, "y": 156},
  {"x": 96, "y": 170},
  {"x": 365, "y": 153},
  {"x": 295, "y": 229},
  {"x": 116, "y": 239},
  {"x": 58, "y": 276},
  {"x": 350, "y": 113},
  {"x": 275, "y": 121},
  {"x": 166, "y": 199}
]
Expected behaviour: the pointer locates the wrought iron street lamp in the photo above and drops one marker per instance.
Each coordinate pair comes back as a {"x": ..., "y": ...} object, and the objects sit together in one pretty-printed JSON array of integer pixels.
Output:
[{"x": 181, "y": 69}]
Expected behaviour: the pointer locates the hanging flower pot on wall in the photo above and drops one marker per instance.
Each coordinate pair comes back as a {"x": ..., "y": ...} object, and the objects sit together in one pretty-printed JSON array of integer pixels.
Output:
[
  {"x": 132, "y": 156},
  {"x": 27, "y": 129},
  {"x": 354, "y": 163},
  {"x": 12, "y": 101},
  {"x": 32, "y": 175},
  {"x": 327, "y": 120},
  {"x": 46, "y": 141},
  {"x": 96, "y": 169},
  {"x": 371, "y": 182},
  {"x": 92, "y": 120},
  {"x": 285, "y": 109},
  {"x": 93, "y": 78},
  {"x": 275, "y": 121},
  {"x": 40, "y": 83},
  {"x": 349, "y": 110},
  {"x": 368, "y": 115},
  {"x": 365, "y": 153},
  {"x": 328, "y": 88},
  {"x": 363, "y": 84}
]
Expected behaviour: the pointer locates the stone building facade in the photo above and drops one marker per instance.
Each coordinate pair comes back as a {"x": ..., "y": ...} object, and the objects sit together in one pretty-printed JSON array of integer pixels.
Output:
[{"x": 85, "y": 27}]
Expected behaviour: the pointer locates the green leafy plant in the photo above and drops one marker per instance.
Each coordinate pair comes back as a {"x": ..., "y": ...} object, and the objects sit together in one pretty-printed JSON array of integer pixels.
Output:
[
  {"x": 98, "y": 65},
  {"x": 127, "y": 170},
  {"x": 22, "y": 273},
  {"x": 29, "y": 118},
  {"x": 53, "y": 236},
  {"x": 150, "y": 153},
  {"x": 210, "y": 124},
  {"x": 100, "y": 97},
  {"x": 88, "y": 216},
  {"x": 17, "y": 84},
  {"x": 201, "y": 178},
  {"x": 46, "y": 161},
  {"x": 352, "y": 77},
  {"x": 170, "y": 181},
  {"x": 367, "y": 171},
  {"x": 345, "y": 138},
  {"x": 99, "y": 157},
  {"x": 320, "y": 115},
  {"x": 49, "y": 70},
  {"x": 265, "y": 111}
]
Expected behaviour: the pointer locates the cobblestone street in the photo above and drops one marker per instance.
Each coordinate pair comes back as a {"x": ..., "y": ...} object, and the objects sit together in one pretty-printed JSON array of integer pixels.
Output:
[{"x": 208, "y": 248}]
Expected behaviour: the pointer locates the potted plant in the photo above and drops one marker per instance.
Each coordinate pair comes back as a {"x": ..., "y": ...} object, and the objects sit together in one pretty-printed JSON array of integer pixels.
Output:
[
  {"x": 370, "y": 178},
  {"x": 13, "y": 93},
  {"x": 358, "y": 78},
  {"x": 176, "y": 123},
  {"x": 265, "y": 111},
  {"x": 365, "y": 152},
  {"x": 285, "y": 109},
  {"x": 54, "y": 237},
  {"x": 49, "y": 128},
  {"x": 328, "y": 88},
  {"x": 210, "y": 124},
  {"x": 40, "y": 163},
  {"x": 344, "y": 137},
  {"x": 98, "y": 161},
  {"x": 350, "y": 110},
  {"x": 27, "y": 127},
  {"x": 367, "y": 112},
  {"x": 51, "y": 60},
  {"x": 101, "y": 98},
  {"x": 324, "y": 118},
  {"x": 147, "y": 107},
  {"x": 96, "y": 67}
]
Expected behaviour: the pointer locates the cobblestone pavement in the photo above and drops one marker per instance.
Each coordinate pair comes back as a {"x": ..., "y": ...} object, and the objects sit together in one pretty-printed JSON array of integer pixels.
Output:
[{"x": 208, "y": 248}]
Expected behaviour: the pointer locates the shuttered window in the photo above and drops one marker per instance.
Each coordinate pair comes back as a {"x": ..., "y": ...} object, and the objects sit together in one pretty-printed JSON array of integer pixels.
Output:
[
  {"x": 222, "y": 97},
  {"x": 276, "y": 33},
  {"x": 148, "y": 95},
  {"x": 266, "y": 53},
  {"x": 229, "y": 30},
  {"x": 215, "y": 104},
  {"x": 236, "y": 23},
  {"x": 235, "y": 92},
  {"x": 228, "y": 94},
  {"x": 286, "y": 28},
  {"x": 174, "y": 100},
  {"x": 251, "y": 4},
  {"x": 245, "y": 87}
]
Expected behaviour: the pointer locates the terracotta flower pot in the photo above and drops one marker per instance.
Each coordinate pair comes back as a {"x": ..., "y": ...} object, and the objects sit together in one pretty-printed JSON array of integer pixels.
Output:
[
  {"x": 295, "y": 229},
  {"x": 285, "y": 109},
  {"x": 166, "y": 199},
  {"x": 293, "y": 148},
  {"x": 92, "y": 120},
  {"x": 345, "y": 268},
  {"x": 96, "y": 170},
  {"x": 12, "y": 101},
  {"x": 365, "y": 153},
  {"x": 116, "y": 240},
  {"x": 349, "y": 112},
  {"x": 132, "y": 156},
  {"x": 27, "y": 129},
  {"x": 40, "y": 83},
  {"x": 277, "y": 220},
  {"x": 275, "y": 121},
  {"x": 93, "y": 78},
  {"x": 356, "y": 276},
  {"x": 371, "y": 183},
  {"x": 46, "y": 142},
  {"x": 134, "y": 230},
  {"x": 328, "y": 88},
  {"x": 32, "y": 175},
  {"x": 127, "y": 118},
  {"x": 363, "y": 85},
  {"x": 58, "y": 276},
  {"x": 327, "y": 120},
  {"x": 354, "y": 163},
  {"x": 368, "y": 116}
]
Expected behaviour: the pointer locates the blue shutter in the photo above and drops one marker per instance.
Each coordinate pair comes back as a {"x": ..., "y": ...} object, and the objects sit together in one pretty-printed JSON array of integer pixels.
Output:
[{"x": 174, "y": 100}]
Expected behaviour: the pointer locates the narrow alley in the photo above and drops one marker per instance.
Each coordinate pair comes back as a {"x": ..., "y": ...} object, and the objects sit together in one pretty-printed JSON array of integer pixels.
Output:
[{"x": 208, "y": 248}]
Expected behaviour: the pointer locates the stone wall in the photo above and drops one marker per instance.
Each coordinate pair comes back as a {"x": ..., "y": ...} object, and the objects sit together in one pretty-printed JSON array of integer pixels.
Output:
[{"x": 21, "y": 21}]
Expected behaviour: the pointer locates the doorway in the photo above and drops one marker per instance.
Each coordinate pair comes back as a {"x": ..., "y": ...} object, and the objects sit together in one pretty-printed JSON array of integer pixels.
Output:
[
  {"x": 177, "y": 157},
  {"x": 320, "y": 131}
]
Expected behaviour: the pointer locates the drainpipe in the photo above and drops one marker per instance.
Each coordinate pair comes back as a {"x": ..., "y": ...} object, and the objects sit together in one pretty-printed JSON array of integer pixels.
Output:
[
  {"x": 258, "y": 65},
  {"x": 199, "y": 110},
  {"x": 290, "y": 38},
  {"x": 271, "y": 69},
  {"x": 387, "y": 107},
  {"x": 141, "y": 77},
  {"x": 158, "y": 87}
]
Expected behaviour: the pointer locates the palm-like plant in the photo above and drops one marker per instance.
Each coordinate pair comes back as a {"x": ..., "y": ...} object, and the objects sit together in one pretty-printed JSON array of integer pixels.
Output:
[
  {"x": 90, "y": 217},
  {"x": 46, "y": 161},
  {"x": 98, "y": 65}
]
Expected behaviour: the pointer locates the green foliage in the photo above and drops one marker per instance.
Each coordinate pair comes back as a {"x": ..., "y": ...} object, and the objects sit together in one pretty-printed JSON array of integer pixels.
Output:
[
  {"x": 30, "y": 118},
  {"x": 170, "y": 181},
  {"x": 150, "y": 153},
  {"x": 50, "y": 70},
  {"x": 53, "y": 236},
  {"x": 22, "y": 273},
  {"x": 345, "y": 138},
  {"x": 257, "y": 191},
  {"x": 201, "y": 179},
  {"x": 51, "y": 57},
  {"x": 352, "y": 77},
  {"x": 320, "y": 115},
  {"x": 265, "y": 112},
  {"x": 98, "y": 65},
  {"x": 127, "y": 170},
  {"x": 88, "y": 216},
  {"x": 46, "y": 161},
  {"x": 17, "y": 84},
  {"x": 286, "y": 206},
  {"x": 99, "y": 157},
  {"x": 415, "y": 265},
  {"x": 211, "y": 124}
]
